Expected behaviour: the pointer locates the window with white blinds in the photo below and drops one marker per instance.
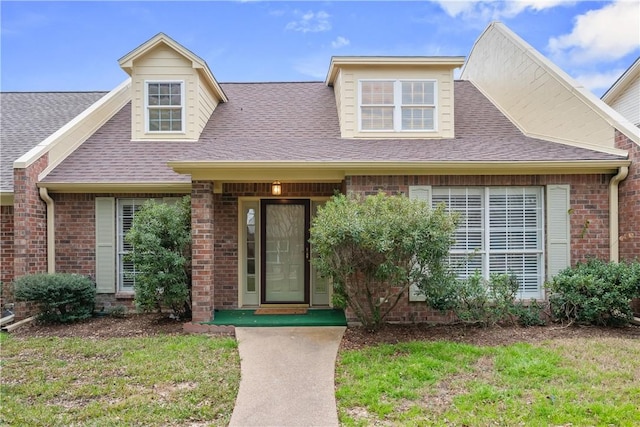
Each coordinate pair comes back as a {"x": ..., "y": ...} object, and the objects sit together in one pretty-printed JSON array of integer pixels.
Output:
[
  {"x": 397, "y": 105},
  {"x": 500, "y": 231},
  {"x": 126, "y": 269}
]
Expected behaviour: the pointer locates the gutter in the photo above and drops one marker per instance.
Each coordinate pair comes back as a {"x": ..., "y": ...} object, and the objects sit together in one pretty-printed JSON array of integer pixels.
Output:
[
  {"x": 51, "y": 232},
  {"x": 614, "y": 255}
]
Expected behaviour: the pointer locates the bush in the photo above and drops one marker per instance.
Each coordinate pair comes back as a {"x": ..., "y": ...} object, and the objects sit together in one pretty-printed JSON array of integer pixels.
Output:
[
  {"x": 596, "y": 292},
  {"x": 161, "y": 240},
  {"x": 494, "y": 301},
  {"x": 375, "y": 248},
  {"x": 61, "y": 298}
]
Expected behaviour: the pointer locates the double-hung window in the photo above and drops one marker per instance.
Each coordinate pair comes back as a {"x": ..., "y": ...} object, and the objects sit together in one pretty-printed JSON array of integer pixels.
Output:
[
  {"x": 500, "y": 231},
  {"x": 397, "y": 105},
  {"x": 165, "y": 106}
]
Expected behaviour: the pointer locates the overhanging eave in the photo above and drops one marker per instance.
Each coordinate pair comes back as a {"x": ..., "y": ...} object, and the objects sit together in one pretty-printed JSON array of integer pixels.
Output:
[{"x": 335, "y": 171}]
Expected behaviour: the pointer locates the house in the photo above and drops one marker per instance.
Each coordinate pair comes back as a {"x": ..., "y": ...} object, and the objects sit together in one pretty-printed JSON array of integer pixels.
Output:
[{"x": 542, "y": 171}]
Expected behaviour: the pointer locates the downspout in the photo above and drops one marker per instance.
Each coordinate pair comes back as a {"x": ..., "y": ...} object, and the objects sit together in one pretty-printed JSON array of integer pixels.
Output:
[
  {"x": 614, "y": 255},
  {"x": 51, "y": 232}
]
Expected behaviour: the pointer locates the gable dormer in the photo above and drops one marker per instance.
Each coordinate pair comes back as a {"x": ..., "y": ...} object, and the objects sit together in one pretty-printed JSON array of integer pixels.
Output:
[
  {"x": 173, "y": 91},
  {"x": 394, "y": 97}
]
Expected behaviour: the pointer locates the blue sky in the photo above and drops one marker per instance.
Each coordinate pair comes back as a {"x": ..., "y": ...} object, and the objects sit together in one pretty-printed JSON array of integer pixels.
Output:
[{"x": 75, "y": 46}]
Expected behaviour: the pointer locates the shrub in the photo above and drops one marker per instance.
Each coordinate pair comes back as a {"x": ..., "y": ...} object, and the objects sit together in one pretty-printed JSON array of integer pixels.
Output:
[
  {"x": 595, "y": 292},
  {"x": 529, "y": 314},
  {"x": 61, "y": 298},
  {"x": 494, "y": 301},
  {"x": 161, "y": 240},
  {"x": 374, "y": 248}
]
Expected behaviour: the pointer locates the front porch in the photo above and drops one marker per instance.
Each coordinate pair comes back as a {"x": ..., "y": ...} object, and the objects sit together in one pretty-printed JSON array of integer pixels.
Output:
[{"x": 250, "y": 248}]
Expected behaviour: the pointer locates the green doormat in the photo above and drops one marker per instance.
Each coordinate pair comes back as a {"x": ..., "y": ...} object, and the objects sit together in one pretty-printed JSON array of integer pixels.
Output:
[{"x": 313, "y": 317}]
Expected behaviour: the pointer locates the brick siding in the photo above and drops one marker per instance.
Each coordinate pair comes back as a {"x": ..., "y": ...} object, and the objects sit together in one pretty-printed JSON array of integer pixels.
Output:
[
  {"x": 202, "y": 249},
  {"x": 6, "y": 254},
  {"x": 629, "y": 202},
  {"x": 30, "y": 227}
]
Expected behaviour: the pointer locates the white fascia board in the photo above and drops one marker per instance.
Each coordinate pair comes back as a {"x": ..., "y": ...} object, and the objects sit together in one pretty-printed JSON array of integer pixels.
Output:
[
  {"x": 96, "y": 115},
  {"x": 340, "y": 61}
]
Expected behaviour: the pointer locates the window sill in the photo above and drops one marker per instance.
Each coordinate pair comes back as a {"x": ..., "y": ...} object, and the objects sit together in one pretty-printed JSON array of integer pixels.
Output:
[{"x": 125, "y": 295}]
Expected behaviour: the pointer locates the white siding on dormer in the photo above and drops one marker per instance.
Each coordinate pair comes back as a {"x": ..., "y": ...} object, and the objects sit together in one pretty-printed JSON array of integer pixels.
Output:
[
  {"x": 346, "y": 92},
  {"x": 165, "y": 64}
]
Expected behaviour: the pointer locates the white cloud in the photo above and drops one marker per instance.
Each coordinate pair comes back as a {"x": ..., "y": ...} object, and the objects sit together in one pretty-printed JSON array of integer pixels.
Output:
[
  {"x": 340, "y": 42},
  {"x": 599, "y": 82},
  {"x": 311, "y": 22},
  {"x": 608, "y": 33},
  {"x": 486, "y": 10}
]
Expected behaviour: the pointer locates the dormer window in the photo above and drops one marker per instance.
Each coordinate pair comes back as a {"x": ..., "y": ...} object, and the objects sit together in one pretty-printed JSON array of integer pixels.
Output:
[
  {"x": 397, "y": 105},
  {"x": 165, "y": 106}
]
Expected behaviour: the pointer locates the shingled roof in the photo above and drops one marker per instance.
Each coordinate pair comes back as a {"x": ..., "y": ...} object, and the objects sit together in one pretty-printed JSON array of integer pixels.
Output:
[
  {"x": 27, "y": 118},
  {"x": 299, "y": 122}
]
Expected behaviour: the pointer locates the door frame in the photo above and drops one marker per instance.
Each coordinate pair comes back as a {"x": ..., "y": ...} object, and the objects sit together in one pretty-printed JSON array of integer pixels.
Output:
[{"x": 306, "y": 203}]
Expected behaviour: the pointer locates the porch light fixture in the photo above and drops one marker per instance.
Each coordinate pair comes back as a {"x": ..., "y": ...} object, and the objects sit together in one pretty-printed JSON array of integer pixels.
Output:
[{"x": 276, "y": 188}]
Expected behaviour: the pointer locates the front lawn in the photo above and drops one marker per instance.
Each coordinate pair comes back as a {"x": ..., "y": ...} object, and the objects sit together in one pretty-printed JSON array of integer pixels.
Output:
[
  {"x": 164, "y": 380},
  {"x": 562, "y": 381}
]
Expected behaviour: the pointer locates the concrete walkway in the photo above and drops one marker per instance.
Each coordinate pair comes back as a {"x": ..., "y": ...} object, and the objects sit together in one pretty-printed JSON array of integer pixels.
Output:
[{"x": 287, "y": 376}]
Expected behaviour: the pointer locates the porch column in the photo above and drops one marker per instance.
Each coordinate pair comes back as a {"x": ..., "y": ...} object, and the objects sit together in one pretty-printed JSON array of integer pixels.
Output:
[{"x": 202, "y": 250}]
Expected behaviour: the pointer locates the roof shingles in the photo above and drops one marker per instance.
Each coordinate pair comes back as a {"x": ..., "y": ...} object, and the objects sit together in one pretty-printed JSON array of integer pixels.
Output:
[
  {"x": 299, "y": 122},
  {"x": 28, "y": 118}
]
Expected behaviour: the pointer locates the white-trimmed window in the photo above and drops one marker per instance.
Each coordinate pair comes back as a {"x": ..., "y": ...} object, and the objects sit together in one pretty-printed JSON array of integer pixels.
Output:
[
  {"x": 126, "y": 270},
  {"x": 397, "y": 105},
  {"x": 500, "y": 231},
  {"x": 164, "y": 106}
]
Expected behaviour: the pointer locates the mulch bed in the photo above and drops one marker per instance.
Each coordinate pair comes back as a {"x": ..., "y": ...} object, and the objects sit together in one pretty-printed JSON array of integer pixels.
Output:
[{"x": 138, "y": 325}]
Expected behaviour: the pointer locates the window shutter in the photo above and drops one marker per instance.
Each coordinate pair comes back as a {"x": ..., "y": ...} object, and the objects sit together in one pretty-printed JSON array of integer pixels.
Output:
[
  {"x": 559, "y": 233},
  {"x": 420, "y": 192},
  {"x": 105, "y": 245}
]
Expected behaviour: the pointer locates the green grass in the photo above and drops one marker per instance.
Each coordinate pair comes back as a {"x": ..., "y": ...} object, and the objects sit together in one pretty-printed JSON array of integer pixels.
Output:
[
  {"x": 580, "y": 382},
  {"x": 152, "y": 381}
]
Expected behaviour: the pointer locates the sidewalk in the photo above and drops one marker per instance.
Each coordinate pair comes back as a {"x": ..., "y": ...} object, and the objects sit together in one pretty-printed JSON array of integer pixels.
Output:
[{"x": 287, "y": 376}]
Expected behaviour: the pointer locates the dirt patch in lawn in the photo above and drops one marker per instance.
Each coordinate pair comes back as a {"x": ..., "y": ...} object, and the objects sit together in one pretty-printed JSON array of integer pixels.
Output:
[
  {"x": 355, "y": 337},
  {"x": 131, "y": 325},
  {"x": 137, "y": 325}
]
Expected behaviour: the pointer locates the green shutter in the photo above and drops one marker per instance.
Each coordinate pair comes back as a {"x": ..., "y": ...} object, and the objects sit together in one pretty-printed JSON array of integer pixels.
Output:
[
  {"x": 105, "y": 245},
  {"x": 558, "y": 229},
  {"x": 420, "y": 192}
]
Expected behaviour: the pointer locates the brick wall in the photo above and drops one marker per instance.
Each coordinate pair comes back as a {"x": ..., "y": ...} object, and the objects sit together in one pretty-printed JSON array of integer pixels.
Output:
[
  {"x": 30, "y": 227},
  {"x": 76, "y": 231},
  {"x": 202, "y": 249},
  {"x": 629, "y": 202},
  {"x": 30, "y": 221},
  {"x": 589, "y": 202},
  {"x": 6, "y": 253}
]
